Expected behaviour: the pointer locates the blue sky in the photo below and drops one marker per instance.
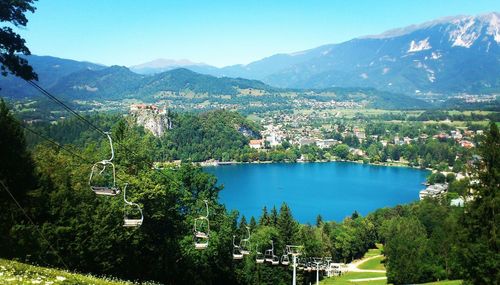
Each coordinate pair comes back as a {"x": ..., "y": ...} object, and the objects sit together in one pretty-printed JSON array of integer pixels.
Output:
[{"x": 217, "y": 32}]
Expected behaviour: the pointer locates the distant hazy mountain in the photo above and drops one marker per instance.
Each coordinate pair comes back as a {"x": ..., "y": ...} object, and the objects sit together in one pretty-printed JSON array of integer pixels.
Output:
[
  {"x": 49, "y": 69},
  {"x": 161, "y": 65},
  {"x": 118, "y": 82},
  {"x": 449, "y": 55}
]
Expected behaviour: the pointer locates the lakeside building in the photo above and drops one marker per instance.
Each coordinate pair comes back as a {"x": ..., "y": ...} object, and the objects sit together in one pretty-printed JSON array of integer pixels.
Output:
[
  {"x": 356, "y": 151},
  {"x": 433, "y": 191},
  {"x": 256, "y": 144},
  {"x": 326, "y": 143}
]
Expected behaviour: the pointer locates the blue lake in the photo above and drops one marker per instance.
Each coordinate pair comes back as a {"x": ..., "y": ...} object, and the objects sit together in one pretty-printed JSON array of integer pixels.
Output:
[{"x": 334, "y": 190}]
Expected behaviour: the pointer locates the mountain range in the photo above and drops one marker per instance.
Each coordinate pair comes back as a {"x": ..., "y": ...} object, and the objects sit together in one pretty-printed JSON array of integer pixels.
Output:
[
  {"x": 448, "y": 55},
  {"x": 162, "y": 64},
  {"x": 100, "y": 83}
]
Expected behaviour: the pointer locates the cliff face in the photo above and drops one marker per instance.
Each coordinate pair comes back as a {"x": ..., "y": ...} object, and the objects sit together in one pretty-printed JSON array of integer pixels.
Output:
[{"x": 154, "y": 120}]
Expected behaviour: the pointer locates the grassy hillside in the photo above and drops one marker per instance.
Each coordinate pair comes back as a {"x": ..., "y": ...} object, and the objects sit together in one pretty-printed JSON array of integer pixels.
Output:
[
  {"x": 351, "y": 278},
  {"x": 12, "y": 272}
]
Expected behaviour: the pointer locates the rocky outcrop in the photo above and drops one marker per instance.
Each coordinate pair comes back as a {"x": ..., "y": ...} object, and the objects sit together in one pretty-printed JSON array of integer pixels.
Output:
[{"x": 151, "y": 118}]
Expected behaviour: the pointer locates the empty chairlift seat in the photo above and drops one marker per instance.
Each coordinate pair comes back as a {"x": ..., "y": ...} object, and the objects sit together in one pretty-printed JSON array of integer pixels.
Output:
[
  {"x": 102, "y": 179},
  {"x": 201, "y": 230},
  {"x": 130, "y": 221}
]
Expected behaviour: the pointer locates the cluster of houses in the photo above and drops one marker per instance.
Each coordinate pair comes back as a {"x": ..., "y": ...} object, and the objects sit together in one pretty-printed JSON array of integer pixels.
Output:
[
  {"x": 461, "y": 137},
  {"x": 319, "y": 105},
  {"x": 274, "y": 134}
]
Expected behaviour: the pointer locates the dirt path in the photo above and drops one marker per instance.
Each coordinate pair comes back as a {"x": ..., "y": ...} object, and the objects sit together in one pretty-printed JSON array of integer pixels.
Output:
[
  {"x": 367, "y": 279},
  {"x": 353, "y": 266}
]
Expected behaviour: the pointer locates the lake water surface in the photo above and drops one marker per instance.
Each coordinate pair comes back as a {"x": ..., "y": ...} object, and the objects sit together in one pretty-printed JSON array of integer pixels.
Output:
[{"x": 334, "y": 190}]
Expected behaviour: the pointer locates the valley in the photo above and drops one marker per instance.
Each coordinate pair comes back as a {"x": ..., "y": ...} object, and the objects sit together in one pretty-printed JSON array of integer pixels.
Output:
[{"x": 357, "y": 144}]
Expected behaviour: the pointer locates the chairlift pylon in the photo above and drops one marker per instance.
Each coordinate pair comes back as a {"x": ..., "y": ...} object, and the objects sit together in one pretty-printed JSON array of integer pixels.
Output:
[
  {"x": 201, "y": 230},
  {"x": 127, "y": 221},
  {"x": 108, "y": 188}
]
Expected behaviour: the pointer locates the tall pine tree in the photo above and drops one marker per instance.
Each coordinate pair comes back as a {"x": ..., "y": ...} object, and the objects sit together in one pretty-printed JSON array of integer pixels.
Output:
[
  {"x": 481, "y": 251},
  {"x": 16, "y": 175}
]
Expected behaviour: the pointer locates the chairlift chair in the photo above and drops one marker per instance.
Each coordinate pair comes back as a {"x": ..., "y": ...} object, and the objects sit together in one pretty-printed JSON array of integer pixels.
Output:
[
  {"x": 109, "y": 188},
  {"x": 237, "y": 254},
  {"x": 275, "y": 260},
  {"x": 285, "y": 260},
  {"x": 259, "y": 257},
  {"x": 201, "y": 230},
  {"x": 269, "y": 253},
  {"x": 300, "y": 264},
  {"x": 127, "y": 221},
  {"x": 245, "y": 244}
]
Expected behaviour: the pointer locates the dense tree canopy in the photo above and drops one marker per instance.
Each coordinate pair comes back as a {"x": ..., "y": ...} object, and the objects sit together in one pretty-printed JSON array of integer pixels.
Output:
[
  {"x": 424, "y": 241},
  {"x": 481, "y": 240},
  {"x": 11, "y": 44}
]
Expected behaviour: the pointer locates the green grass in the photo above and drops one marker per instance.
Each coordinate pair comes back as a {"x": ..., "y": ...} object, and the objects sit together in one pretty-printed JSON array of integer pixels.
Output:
[
  {"x": 375, "y": 251},
  {"x": 12, "y": 272},
  {"x": 345, "y": 280},
  {"x": 373, "y": 264}
]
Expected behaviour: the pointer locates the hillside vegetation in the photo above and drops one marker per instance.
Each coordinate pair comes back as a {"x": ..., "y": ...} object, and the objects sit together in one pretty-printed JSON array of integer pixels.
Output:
[
  {"x": 69, "y": 226},
  {"x": 13, "y": 272}
]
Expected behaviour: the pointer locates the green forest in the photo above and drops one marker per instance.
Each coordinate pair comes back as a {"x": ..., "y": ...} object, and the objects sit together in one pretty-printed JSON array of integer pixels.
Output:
[{"x": 52, "y": 218}]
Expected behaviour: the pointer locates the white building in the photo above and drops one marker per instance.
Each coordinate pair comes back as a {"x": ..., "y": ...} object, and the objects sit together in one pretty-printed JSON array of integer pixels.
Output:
[
  {"x": 326, "y": 143},
  {"x": 433, "y": 191},
  {"x": 458, "y": 202}
]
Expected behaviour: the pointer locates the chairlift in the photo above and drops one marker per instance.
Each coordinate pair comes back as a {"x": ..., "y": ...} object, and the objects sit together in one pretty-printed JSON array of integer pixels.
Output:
[
  {"x": 269, "y": 253},
  {"x": 237, "y": 254},
  {"x": 285, "y": 260},
  {"x": 259, "y": 257},
  {"x": 300, "y": 264},
  {"x": 101, "y": 181},
  {"x": 245, "y": 244},
  {"x": 127, "y": 221},
  {"x": 201, "y": 230},
  {"x": 275, "y": 260}
]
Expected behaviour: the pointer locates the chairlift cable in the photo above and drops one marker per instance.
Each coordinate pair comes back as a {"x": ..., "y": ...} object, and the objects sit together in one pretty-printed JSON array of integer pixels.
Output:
[
  {"x": 60, "y": 146},
  {"x": 82, "y": 118},
  {"x": 55, "y": 99},
  {"x": 33, "y": 223}
]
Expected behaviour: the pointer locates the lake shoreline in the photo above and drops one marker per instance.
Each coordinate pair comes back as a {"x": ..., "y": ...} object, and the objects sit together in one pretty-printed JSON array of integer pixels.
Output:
[
  {"x": 330, "y": 188},
  {"x": 215, "y": 163}
]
